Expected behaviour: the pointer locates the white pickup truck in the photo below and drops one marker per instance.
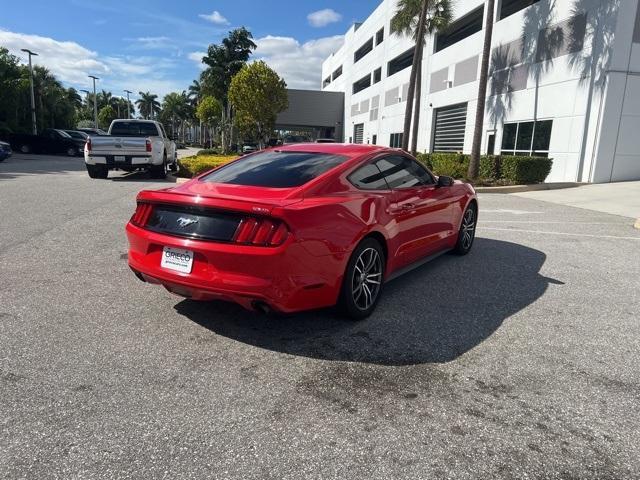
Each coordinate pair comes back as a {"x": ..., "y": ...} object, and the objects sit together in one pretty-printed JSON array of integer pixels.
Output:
[{"x": 131, "y": 145}]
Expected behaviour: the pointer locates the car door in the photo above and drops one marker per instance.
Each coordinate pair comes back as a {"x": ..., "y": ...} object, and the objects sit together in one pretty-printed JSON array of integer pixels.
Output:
[{"x": 422, "y": 210}]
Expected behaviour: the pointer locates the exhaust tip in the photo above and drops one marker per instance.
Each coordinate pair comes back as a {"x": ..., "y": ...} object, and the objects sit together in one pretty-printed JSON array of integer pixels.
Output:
[{"x": 261, "y": 307}]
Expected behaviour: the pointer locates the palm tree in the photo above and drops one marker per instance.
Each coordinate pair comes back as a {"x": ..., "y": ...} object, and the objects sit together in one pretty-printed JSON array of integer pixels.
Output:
[
  {"x": 474, "y": 162},
  {"x": 148, "y": 105},
  {"x": 417, "y": 19},
  {"x": 195, "y": 95}
]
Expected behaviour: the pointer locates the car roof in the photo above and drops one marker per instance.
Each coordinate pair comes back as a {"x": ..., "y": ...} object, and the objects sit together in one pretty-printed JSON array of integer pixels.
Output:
[{"x": 347, "y": 149}]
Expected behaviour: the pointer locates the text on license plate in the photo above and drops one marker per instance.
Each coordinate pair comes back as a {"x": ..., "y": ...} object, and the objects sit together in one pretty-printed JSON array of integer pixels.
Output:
[
  {"x": 177, "y": 259},
  {"x": 119, "y": 158}
]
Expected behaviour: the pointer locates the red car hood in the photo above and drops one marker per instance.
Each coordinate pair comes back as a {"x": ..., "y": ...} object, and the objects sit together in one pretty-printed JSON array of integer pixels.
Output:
[{"x": 222, "y": 195}]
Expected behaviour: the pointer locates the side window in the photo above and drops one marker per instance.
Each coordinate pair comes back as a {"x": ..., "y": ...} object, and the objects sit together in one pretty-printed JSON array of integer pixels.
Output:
[
  {"x": 402, "y": 172},
  {"x": 368, "y": 177}
]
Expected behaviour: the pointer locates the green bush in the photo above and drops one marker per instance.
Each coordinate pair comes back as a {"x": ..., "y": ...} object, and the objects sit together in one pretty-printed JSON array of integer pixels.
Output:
[
  {"x": 208, "y": 151},
  {"x": 523, "y": 170},
  {"x": 190, "y": 167},
  {"x": 514, "y": 169}
]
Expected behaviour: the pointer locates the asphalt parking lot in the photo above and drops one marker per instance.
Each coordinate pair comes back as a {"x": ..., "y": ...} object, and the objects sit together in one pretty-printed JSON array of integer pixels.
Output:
[{"x": 520, "y": 360}]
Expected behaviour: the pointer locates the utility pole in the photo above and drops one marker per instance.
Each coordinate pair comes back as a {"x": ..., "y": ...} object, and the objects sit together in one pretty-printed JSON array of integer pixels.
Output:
[
  {"x": 128, "y": 104},
  {"x": 33, "y": 97},
  {"x": 95, "y": 101}
]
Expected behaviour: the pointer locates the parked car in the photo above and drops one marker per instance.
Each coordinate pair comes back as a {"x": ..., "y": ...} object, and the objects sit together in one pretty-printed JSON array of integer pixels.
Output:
[
  {"x": 249, "y": 148},
  {"x": 77, "y": 134},
  {"x": 300, "y": 227},
  {"x": 5, "y": 151},
  {"x": 131, "y": 145},
  {"x": 93, "y": 131},
  {"x": 50, "y": 141}
]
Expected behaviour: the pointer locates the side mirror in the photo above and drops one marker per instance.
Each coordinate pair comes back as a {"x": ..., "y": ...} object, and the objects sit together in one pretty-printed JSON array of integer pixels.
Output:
[{"x": 444, "y": 181}]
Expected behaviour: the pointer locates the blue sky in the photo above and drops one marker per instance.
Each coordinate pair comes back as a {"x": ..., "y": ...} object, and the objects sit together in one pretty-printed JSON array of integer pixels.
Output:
[{"x": 156, "y": 45}]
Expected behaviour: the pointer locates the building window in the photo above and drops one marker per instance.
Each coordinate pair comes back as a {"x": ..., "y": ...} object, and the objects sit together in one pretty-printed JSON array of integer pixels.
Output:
[
  {"x": 395, "y": 141},
  {"x": 374, "y": 139},
  {"x": 380, "y": 36},
  {"x": 460, "y": 29},
  {"x": 402, "y": 61},
  {"x": 363, "y": 50},
  {"x": 509, "y": 7},
  {"x": 377, "y": 75},
  {"x": 326, "y": 82},
  {"x": 337, "y": 72},
  {"x": 527, "y": 138},
  {"x": 364, "y": 82}
]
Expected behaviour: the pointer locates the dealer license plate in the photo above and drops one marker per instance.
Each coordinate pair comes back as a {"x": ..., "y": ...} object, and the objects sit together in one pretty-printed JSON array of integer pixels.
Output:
[{"x": 177, "y": 259}]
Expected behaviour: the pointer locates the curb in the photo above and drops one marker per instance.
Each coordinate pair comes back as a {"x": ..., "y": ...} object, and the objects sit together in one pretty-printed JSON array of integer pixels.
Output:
[
  {"x": 528, "y": 188},
  {"x": 177, "y": 180}
]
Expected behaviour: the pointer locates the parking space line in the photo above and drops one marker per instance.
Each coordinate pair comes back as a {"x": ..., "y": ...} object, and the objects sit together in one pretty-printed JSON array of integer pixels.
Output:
[
  {"x": 552, "y": 223},
  {"x": 557, "y": 233}
]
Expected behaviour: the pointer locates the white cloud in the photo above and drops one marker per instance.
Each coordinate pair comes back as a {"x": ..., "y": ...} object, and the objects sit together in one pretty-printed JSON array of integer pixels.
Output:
[
  {"x": 196, "y": 57},
  {"x": 299, "y": 64},
  {"x": 215, "y": 17},
  {"x": 152, "y": 43},
  {"x": 322, "y": 18},
  {"x": 71, "y": 63}
]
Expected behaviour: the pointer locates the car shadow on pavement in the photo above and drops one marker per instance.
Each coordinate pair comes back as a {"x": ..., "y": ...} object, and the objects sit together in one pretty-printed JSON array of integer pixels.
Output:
[
  {"x": 135, "y": 177},
  {"x": 433, "y": 314},
  {"x": 20, "y": 165}
]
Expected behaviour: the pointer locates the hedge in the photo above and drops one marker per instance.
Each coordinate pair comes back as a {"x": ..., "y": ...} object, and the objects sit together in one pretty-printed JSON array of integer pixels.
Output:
[
  {"x": 190, "y": 167},
  {"x": 514, "y": 169},
  {"x": 208, "y": 151}
]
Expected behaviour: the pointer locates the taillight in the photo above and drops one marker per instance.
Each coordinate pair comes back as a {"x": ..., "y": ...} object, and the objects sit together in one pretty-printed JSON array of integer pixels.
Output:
[
  {"x": 89, "y": 144},
  {"x": 263, "y": 232},
  {"x": 148, "y": 144},
  {"x": 141, "y": 215}
]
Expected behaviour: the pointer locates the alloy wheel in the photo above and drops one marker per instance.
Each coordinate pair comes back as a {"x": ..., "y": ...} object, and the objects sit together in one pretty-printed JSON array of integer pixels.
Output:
[
  {"x": 468, "y": 228},
  {"x": 367, "y": 278}
]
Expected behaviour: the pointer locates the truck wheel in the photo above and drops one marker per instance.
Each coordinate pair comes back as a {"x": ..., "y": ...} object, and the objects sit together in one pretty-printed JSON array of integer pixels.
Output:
[
  {"x": 98, "y": 171},
  {"x": 159, "y": 171}
]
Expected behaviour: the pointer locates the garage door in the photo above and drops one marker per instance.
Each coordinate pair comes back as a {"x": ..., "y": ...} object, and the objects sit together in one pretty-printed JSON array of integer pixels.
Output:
[
  {"x": 450, "y": 126},
  {"x": 358, "y": 133}
]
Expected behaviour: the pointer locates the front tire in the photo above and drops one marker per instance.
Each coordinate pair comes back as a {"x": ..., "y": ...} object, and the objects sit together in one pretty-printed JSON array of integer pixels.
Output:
[
  {"x": 98, "y": 171},
  {"x": 363, "y": 280},
  {"x": 467, "y": 233},
  {"x": 25, "y": 148}
]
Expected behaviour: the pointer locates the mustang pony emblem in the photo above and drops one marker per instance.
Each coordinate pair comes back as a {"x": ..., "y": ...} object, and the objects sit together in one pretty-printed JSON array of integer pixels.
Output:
[{"x": 185, "y": 222}]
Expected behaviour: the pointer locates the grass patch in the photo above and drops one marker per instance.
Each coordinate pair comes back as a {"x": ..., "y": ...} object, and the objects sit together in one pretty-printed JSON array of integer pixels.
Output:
[{"x": 190, "y": 167}]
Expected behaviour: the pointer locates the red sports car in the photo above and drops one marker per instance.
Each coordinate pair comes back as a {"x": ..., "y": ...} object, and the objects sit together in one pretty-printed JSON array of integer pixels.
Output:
[{"x": 300, "y": 227}]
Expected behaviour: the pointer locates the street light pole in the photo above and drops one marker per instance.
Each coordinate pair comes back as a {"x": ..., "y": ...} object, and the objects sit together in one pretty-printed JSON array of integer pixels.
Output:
[
  {"x": 95, "y": 101},
  {"x": 33, "y": 97},
  {"x": 128, "y": 104}
]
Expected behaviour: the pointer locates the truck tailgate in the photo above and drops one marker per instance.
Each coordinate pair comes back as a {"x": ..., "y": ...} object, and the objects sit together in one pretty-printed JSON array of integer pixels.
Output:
[{"x": 118, "y": 145}]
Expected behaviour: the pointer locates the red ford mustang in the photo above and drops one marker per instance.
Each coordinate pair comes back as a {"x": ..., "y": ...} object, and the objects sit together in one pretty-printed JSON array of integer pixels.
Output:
[{"x": 300, "y": 227}]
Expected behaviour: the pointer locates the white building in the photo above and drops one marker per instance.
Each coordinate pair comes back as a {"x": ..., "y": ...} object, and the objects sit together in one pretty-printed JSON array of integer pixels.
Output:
[{"x": 565, "y": 82}]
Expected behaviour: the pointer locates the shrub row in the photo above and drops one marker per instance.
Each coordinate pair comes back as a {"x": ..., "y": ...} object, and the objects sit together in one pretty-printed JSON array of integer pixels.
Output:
[
  {"x": 190, "y": 167},
  {"x": 515, "y": 169}
]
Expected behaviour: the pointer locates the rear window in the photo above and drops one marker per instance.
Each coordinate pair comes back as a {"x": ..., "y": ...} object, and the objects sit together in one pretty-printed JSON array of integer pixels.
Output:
[
  {"x": 275, "y": 169},
  {"x": 134, "y": 129}
]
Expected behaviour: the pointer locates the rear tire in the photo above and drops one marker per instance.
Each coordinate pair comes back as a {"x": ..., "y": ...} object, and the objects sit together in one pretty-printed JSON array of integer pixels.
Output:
[
  {"x": 363, "y": 280},
  {"x": 98, "y": 171},
  {"x": 467, "y": 233},
  {"x": 159, "y": 171},
  {"x": 72, "y": 152}
]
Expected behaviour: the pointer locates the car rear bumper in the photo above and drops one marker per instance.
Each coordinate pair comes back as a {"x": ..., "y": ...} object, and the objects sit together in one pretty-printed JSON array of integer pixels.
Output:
[{"x": 286, "y": 278}]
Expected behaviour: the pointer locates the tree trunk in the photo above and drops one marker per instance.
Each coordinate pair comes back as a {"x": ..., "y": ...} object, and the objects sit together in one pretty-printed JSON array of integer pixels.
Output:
[
  {"x": 416, "y": 111},
  {"x": 412, "y": 78},
  {"x": 474, "y": 163}
]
